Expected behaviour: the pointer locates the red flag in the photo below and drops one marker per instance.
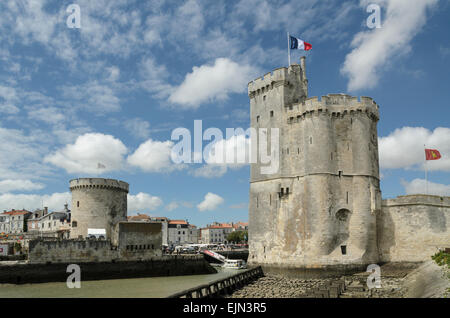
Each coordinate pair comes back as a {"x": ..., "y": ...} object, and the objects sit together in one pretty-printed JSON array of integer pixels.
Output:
[{"x": 432, "y": 154}]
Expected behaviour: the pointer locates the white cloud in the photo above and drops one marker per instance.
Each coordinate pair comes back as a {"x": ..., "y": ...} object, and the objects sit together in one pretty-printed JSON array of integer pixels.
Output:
[
  {"x": 372, "y": 49},
  {"x": 231, "y": 153},
  {"x": 419, "y": 186},
  {"x": 212, "y": 82},
  {"x": 24, "y": 154},
  {"x": 31, "y": 202},
  {"x": 138, "y": 127},
  {"x": 240, "y": 206},
  {"x": 8, "y": 99},
  {"x": 154, "y": 156},
  {"x": 9, "y": 185},
  {"x": 87, "y": 152},
  {"x": 404, "y": 148},
  {"x": 93, "y": 97},
  {"x": 211, "y": 202},
  {"x": 143, "y": 201},
  {"x": 172, "y": 206}
]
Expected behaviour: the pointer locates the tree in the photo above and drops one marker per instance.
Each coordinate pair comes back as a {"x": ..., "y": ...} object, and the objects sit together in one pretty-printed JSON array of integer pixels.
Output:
[{"x": 237, "y": 237}]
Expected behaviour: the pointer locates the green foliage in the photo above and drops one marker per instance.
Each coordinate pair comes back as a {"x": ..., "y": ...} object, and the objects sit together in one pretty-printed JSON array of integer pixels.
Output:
[
  {"x": 442, "y": 258},
  {"x": 17, "y": 247},
  {"x": 237, "y": 237}
]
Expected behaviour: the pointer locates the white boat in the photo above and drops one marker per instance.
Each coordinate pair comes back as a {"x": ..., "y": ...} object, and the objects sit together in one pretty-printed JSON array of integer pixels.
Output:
[{"x": 234, "y": 264}]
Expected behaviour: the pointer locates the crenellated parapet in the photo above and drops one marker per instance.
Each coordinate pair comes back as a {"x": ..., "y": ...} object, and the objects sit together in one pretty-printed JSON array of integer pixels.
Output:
[
  {"x": 98, "y": 183},
  {"x": 334, "y": 105},
  {"x": 279, "y": 77}
]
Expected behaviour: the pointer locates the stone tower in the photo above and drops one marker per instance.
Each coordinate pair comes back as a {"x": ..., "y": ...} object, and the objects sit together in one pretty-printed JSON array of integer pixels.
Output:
[
  {"x": 97, "y": 204},
  {"x": 319, "y": 209}
]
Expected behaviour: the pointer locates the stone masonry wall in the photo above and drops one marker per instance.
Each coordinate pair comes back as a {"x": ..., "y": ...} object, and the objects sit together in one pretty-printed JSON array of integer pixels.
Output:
[{"x": 412, "y": 228}]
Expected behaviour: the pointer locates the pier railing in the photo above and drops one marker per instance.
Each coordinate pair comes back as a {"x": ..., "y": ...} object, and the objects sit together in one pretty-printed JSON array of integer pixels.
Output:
[{"x": 221, "y": 287}]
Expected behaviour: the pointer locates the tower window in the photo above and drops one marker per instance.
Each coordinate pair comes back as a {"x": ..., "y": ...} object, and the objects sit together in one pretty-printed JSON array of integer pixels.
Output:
[
  {"x": 264, "y": 97},
  {"x": 74, "y": 224},
  {"x": 340, "y": 174},
  {"x": 344, "y": 249},
  {"x": 257, "y": 119},
  {"x": 287, "y": 191},
  {"x": 78, "y": 204},
  {"x": 310, "y": 140},
  {"x": 271, "y": 113}
]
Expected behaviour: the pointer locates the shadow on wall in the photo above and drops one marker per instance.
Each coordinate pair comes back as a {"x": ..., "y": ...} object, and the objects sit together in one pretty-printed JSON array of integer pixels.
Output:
[
  {"x": 340, "y": 230},
  {"x": 385, "y": 235}
]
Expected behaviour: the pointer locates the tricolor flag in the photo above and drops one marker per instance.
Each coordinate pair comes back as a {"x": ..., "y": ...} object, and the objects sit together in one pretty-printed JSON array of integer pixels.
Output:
[
  {"x": 432, "y": 154},
  {"x": 297, "y": 44}
]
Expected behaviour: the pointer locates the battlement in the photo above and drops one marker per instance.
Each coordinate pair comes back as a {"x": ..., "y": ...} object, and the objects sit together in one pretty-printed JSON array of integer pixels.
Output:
[
  {"x": 418, "y": 199},
  {"x": 280, "y": 76},
  {"x": 336, "y": 105},
  {"x": 98, "y": 183}
]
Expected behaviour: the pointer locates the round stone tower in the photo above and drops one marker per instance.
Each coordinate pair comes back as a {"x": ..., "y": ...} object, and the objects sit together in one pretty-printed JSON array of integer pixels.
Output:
[
  {"x": 97, "y": 204},
  {"x": 319, "y": 208}
]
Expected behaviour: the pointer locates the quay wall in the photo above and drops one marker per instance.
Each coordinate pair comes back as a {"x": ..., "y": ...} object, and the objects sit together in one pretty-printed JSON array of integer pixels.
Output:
[{"x": 167, "y": 265}]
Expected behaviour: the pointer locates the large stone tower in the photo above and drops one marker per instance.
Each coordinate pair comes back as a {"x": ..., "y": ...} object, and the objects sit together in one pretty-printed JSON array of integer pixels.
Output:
[
  {"x": 320, "y": 208},
  {"x": 97, "y": 204}
]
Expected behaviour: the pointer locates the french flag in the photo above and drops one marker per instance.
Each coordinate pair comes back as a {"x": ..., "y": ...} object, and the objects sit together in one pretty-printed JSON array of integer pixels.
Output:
[{"x": 297, "y": 44}]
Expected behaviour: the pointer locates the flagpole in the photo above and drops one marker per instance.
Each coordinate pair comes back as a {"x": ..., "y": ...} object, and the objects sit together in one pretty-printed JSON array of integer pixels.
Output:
[
  {"x": 289, "y": 50},
  {"x": 426, "y": 170}
]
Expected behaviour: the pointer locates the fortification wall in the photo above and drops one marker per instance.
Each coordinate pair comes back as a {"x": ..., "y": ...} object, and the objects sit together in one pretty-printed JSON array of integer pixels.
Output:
[
  {"x": 138, "y": 239},
  {"x": 309, "y": 226},
  {"x": 91, "y": 251},
  {"x": 412, "y": 228},
  {"x": 41, "y": 252},
  {"x": 97, "y": 203}
]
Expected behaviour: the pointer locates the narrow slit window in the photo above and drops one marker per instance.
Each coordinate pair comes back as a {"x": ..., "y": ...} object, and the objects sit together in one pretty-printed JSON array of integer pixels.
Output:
[
  {"x": 271, "y": 113},
  {"x": 344, "y": 249}
]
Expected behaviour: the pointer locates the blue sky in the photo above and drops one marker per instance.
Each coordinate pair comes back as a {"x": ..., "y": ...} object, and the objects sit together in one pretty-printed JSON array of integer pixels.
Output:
[{"x": 113, "y": 91}]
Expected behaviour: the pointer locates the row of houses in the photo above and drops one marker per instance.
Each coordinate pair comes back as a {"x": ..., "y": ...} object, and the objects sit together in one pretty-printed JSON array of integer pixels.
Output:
[
  {"x": 41, "y": 223},
  {"x": 180, "y": 232},
  {"x": 56, "y": 224}
]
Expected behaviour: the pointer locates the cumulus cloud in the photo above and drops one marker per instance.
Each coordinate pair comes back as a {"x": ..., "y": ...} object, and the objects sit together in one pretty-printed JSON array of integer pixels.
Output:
[
  {"x": 404, "y": 148},
  {"x": 372, "y": 49},
  {"x": 154, "y": 156},
  {"x": 143, "y": 201},
  {"x": 9, "y": 185},
  {"x": 419, "y": 186},
  {"x": 211, "y": 202},
  {"x": 87, "y": 152},
  {"x": 231, "y": 153},
  {"x": 212, "y": 82},
  {"x": 31, "y": 202}
]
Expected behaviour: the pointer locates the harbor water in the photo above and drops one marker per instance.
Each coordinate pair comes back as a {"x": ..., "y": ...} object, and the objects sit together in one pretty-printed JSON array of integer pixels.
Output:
[{"x": 153, "y": 287}]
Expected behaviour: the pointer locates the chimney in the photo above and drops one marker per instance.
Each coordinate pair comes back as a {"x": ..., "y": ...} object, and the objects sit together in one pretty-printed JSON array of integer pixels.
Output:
[{"x": 45, "y": 210}]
